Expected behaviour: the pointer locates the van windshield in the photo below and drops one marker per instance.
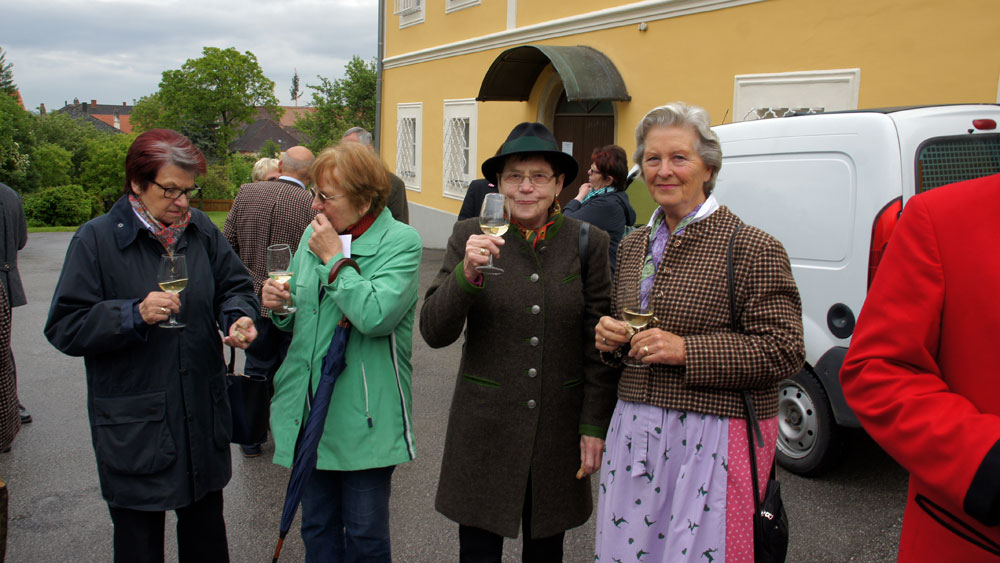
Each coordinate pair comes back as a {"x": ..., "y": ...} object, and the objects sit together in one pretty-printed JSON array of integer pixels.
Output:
[{"x": 955, "y": 159}]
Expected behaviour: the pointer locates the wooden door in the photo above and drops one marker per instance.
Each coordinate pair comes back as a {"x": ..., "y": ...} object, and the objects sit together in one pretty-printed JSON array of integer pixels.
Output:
[{"x": 587, "y": 126}]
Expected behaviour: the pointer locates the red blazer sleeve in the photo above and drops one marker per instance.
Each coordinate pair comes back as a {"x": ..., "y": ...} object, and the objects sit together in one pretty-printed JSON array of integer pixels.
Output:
[{"x": 900, "y": 372}]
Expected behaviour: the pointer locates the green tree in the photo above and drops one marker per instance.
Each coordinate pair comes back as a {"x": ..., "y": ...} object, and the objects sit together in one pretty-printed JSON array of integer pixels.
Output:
[
  {"x": 60, "y": 205},
  {"x": 6, "y": 74},
  {"x": 103, "y": 171},
  {"x": 295, "y": 92},
  {"x": 341, "y": 104},
  {"x": 147, "y": 113},
  {"x": 210, "y": 98},
  {"x": 17, "y": 140},
  {"x": 51, "y": 165},
  {"x": 71, "y": 134},
  {"x": 270, "y": 149}
]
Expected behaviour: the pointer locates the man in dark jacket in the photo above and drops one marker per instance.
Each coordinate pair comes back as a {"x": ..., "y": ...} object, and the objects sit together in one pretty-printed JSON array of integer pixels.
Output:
[{"x": 397, "y": 189}]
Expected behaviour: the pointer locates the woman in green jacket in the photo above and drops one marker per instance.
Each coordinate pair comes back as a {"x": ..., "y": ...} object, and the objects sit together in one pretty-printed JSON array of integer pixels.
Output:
[{"x": 345, "y": 505}]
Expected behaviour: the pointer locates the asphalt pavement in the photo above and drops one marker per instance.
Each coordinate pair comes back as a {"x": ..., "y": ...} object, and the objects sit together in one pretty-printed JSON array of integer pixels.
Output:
[{"x": 56, "y": 512}]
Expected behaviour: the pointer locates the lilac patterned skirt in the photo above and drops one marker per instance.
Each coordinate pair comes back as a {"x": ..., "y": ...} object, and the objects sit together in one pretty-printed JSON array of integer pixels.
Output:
[{"x": 665, "y": 484}]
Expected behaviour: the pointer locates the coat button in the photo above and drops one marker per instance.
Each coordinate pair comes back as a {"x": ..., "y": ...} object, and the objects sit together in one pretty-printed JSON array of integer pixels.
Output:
[
  {"x": 532, "y": 372},
  {"x": 534, "y": 341},
  {"x": 531, "y": 403},
  {"x": 534, "y": 277},
  {"x": 535, "y": 309},
  {"x": 677, "y": 243}
]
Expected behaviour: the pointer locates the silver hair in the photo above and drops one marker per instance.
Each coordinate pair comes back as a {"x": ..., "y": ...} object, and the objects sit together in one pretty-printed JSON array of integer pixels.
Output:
[
  {"x": 295, "y": 166},
  {"x": 364, "y": 137},
  {"x": 679, "y": 114}
]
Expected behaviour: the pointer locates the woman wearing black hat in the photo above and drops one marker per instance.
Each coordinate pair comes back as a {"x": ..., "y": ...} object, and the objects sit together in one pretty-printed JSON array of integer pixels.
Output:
[{"x": 532, "y": 400}]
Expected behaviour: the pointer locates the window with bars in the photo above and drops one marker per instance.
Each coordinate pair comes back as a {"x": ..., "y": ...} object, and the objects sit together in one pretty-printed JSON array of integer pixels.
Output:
[
  {"x": 771, "y": 112},
  {"x": 950, "y": 160},
  {"x": 408, "y": 132},
  {"x": 452, "y": 5},
  {"x": 410, "y": 12},
  {"x": 459, "y": 154}
]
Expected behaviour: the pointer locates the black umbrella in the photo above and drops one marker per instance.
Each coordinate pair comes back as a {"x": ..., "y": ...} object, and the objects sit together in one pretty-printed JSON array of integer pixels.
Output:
[{"x": 305, "y": 450}]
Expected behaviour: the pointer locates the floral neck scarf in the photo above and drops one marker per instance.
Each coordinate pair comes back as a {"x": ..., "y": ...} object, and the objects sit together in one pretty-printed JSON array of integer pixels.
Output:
[
  {"x": 535, "y": 235},
  {"x": 168, "y": 235}
]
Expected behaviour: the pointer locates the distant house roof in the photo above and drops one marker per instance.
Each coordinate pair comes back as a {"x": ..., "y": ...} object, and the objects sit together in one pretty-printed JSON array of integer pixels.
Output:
[
  {"x": 254, "y": 136},
  {"x": 106, "y": 117},
  {"x": 288, "y": 118}
]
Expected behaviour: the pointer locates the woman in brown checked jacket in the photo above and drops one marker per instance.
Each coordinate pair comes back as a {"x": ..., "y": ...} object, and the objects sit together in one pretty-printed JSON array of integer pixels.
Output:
[{"x": 675, "y": 485}]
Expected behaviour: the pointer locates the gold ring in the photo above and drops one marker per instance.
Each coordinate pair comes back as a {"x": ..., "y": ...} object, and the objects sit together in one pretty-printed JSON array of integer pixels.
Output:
[
  {"x": 483, "y": 251},
  {"x": 645, "y": 349},
  {"x": 605, "y": 341},
  {"x": 163, "y": 310}
]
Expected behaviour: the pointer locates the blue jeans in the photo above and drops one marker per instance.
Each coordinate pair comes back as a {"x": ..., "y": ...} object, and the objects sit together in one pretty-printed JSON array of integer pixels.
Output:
[{"x": 345, "y": 516}]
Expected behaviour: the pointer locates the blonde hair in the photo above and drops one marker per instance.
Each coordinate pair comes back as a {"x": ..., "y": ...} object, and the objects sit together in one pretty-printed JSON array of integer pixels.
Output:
[
  {"x": 357, "y": 170},
  {"x": 262, "y": 168}
]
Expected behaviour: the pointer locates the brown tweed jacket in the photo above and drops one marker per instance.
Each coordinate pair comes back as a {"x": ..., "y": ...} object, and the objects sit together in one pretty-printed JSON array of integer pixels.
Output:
[
  {"x": 266, "y": 213},
  {"x": 691, "y": 299}
]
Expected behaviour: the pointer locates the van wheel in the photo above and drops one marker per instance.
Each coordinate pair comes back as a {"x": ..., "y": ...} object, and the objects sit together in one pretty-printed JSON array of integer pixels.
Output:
[{"x": 808, "y": 436}]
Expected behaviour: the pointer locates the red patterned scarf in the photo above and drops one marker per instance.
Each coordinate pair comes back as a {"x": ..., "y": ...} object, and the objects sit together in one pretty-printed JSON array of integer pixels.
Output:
[{"x": 168, "y": 235}]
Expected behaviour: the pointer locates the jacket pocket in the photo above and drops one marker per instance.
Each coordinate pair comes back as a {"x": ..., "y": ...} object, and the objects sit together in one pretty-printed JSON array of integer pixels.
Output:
[
  {"x": 131, "y": 434},
  {"x": 222, "y": 414}
]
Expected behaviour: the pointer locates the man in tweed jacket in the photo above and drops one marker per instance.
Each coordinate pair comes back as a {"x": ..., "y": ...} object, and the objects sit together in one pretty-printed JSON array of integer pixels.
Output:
[{"x": 266, "y": 213}]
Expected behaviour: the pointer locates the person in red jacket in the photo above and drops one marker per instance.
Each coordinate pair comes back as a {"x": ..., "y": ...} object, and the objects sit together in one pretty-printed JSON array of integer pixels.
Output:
[{"x": 923, "y": 369}]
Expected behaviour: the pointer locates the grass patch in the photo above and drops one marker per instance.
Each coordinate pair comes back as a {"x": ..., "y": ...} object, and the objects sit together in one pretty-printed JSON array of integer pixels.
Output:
[{"x": 217, "y": 217}]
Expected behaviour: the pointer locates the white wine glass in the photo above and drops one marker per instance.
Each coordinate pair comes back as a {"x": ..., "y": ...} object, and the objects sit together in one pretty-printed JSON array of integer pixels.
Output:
[
  {"x": 279, "y": 269},
  {"x": 173, "y": 278},
  {"x": 636, "y": 313},
  {"x": 494, "y": 219}
]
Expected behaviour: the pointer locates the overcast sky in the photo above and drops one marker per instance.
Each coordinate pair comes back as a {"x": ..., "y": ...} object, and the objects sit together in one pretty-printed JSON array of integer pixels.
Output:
[{"x": 115, "y": 51}]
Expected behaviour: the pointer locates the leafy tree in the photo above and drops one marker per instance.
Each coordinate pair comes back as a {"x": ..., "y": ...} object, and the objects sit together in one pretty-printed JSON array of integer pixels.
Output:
[
  {"x": 51, "y": 165},
  {"x": 71, "y": 134},
  {"x": 6, "y": 74},
  {"x": 295, "y": 91},
  {"x": 147, "y": 113},
  {"x": 210, "y": 98},
  {"x": 103, "y": 171},
  {"x": 17, "y": 141},
  {"x": 240, "y": 169},
  {"x": 270, "y": 149},
  {"x": 341, "y": 104}
]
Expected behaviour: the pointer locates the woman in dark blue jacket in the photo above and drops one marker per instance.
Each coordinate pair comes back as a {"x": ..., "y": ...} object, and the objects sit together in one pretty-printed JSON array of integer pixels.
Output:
[
  {"x": 602, "y": 200},
  {"x": 159, "y": 413}
]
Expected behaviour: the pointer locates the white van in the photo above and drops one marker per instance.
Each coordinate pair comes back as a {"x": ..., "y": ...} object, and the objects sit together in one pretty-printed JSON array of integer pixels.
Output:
[{"x": 831, "y": 187}]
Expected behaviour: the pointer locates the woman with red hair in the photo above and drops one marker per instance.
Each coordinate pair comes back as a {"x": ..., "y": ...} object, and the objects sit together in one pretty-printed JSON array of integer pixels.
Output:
[{"x": 156, "y": 398}]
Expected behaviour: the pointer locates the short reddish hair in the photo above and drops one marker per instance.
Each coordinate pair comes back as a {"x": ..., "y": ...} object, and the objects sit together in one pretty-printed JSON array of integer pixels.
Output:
[
  {"x": 611, "y": 161},
  {"x": 155, "y": 149}
]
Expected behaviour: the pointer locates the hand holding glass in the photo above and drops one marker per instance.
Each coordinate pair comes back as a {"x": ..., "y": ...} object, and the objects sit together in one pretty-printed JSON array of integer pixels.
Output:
[
  {"x": 494, "y": 220},
  {"x": 173, "y": 278},
  {"x": 637, "y": 315},
  {"x": 279, "y": 269}
]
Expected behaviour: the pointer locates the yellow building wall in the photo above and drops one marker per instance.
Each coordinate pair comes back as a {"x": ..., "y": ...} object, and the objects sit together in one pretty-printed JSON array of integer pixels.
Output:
[
  {"x": 439, "y": 28},
  {"x": 912, "y": 52},
  {"x": 530, "y": 12}
]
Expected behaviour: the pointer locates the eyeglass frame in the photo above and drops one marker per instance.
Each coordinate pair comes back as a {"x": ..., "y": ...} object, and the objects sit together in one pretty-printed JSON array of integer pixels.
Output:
[
  {"x": 167, "y": 191},
  {"x": 530, "y": 178},
  {"x": 322, "y": 196},
  {"x": 592, "y": 171}
]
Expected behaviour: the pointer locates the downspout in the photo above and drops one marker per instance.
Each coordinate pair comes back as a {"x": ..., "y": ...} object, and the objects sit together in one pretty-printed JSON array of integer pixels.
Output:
[{"x": 378, "y": 74}]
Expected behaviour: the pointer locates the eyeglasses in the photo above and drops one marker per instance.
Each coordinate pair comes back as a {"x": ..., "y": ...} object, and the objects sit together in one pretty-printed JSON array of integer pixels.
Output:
[
  {"x": 322, "y": 196},
  {"x": 591, "y": 172},
  {"x": 174, "y": 193},
  {"x": 514, "y": 179}
]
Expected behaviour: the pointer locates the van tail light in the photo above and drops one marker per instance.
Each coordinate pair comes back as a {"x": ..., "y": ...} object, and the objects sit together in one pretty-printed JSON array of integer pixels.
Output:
[
  {"x": 885, "y": 223},
  {"x": 984, "y": 124}
]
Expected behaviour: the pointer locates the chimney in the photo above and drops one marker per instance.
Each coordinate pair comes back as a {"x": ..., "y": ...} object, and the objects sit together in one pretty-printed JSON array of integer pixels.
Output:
[
  {"x": 123, "y": 105},
  {"x": 41, "y": 109},
  {"x": 84, "y": 106},
  {"x": 93, "y": 102}
]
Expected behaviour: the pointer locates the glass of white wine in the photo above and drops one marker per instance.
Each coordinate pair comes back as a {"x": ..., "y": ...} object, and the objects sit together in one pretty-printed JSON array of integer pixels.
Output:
[
  {"x": 494, "y": 219},
  {"x": 637, "y": 314},
  {"x": 173, "y": 278},
  {"x": 279, "y": 269}
]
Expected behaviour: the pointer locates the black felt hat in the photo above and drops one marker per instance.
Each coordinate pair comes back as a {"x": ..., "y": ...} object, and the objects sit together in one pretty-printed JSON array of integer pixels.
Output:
[{"x": 527, "y": 139}]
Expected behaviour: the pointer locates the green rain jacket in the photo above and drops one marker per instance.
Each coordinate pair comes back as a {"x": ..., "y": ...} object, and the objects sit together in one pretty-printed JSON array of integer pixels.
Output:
[{"x": 369, "y": 423}]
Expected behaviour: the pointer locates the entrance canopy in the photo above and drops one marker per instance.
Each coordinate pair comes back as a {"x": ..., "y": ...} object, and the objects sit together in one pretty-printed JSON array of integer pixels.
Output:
[{"x": 587, "y": 74}]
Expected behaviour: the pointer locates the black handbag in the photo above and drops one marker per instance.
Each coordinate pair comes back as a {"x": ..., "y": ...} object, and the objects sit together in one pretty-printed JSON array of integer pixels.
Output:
[
  {"x": 250, "y": 400},
  {"x": 770, "y": 523}
]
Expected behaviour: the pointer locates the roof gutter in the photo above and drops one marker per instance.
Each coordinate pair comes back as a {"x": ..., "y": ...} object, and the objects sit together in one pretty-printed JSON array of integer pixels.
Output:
[{"x": 378, "y": 75}]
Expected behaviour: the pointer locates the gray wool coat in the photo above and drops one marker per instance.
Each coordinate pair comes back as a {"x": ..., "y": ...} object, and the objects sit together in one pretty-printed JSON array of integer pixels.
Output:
[
  {"x": 15, "y": 233},
  {"x": 530, "y": 381}
]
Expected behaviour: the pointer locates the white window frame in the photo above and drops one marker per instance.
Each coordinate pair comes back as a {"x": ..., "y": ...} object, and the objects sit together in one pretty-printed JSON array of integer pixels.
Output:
[
  {"x": 455, "y": 5},
  {"x": 415, "y": 112},
  {"x": 456, "y": 186},
  {"x": 819, "y": 90},
  {"x": 410, "y": 14}
]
